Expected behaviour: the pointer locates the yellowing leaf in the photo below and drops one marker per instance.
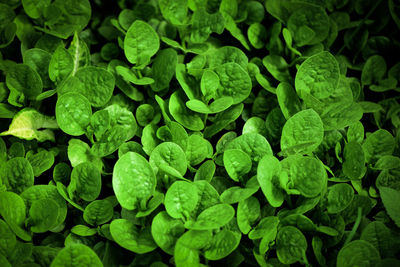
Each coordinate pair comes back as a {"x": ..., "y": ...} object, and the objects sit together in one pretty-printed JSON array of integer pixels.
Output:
[{"x": 27, "y": 124}]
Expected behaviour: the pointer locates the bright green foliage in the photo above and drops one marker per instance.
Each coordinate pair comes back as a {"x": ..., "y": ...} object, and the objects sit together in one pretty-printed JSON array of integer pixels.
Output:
[
  {"x": 196, "y": 133},
  {"x": 129, "y": 236},
  {"x": 268, "y": 176},
  {"x": 141, "y": 43},
  {"x": 95, "y": 83},
  {"x": 24, "y": 79},
  {"x": 61, "y": 64},
  {"x": 73, "y": 112},
  {"x": 302, "y": 133},
  {"x": 85, "y": 181},
  {"x": 306, "y": 175},
  {"x": 181, "y": 199},
  {"x": 212, "y": 218},
  {"x": 234, "y": 82},
  {"x": 203, "y": 24},
  {"x": 222, "y": 244},
  {"x": 174, "y": 11},
  {"x": 318, "y": 76},
  {"x": 237, "y": 163},
  {"x": 291, "y": 245},
  {"x": 13, "y": 211},
  {"x": 131, "y": 169},
  {"x": 77, "y": 255},
  {"x": 165, "y": 231},
  {"x": 98, "y": 212},
  {"x": 17, "y": 175},
  {"x": 168, "y": 155},
  {"x": 43, "y": 215}
]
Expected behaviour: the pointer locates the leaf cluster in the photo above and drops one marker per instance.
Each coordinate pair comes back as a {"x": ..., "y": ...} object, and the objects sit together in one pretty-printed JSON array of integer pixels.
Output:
[{"x": 199, "y": 133}]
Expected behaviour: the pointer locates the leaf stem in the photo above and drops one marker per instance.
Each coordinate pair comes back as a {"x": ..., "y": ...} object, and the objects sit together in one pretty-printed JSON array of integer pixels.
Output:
[{"x": 355, "y": 226}]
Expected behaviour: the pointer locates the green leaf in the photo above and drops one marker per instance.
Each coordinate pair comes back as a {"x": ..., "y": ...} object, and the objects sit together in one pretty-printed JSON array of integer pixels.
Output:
[
  {"x": 355, "y": 132},
  {"x": 60, "y": 65},
  {"x": 170, "y": 154},
  {"x": 39, "y": 61},
  {"x": 379, "y": 143},
  {"x": 339, "y": 197},
  {"x": 72, "y": 16},
  {"x": 234, "y": 82},
  {"x": 80, "y": 53},
  {"x": 41, "y": 161},
  {"x": 78, "y": 255},
  {"x": 223, "y": 119},
  {"x": 302, "y": 133},
  {"x": 309, "y": 25},
  {"x": 85, "y": 181},
  {"x": 208, "y": 196},
  {"x": 222, "y": 244},
  {"x": 256, "y": 34},
  {"x": 306, "y": 175},
  {"x": 130, "y": 169},
  {"x": 181, "y": 199},
  {"x": 98, "y": 212},
  {"x": 83, "y": 230},
  {"x": 268, "y": 173},
  {"x": 209, "y": 83},
  {"x": 163, "y": 69},
  {"x": 73, "y": 112},
  {"x": 122, "y": 127},
  {"x": 235, "y": 31},
  {"x": 166, "y": 231},
  {"x": 131, "y": 237},
  {"x": 248, "y": 211},
  {"x": 354, "y": 161},
  {"x": 255, "y": 145},
  {"x": 291, "y": 245},
  {"x": 374, "y": 70},
  {"x": 43, "y": 215},
  {"x": 318, "y": 76},
  {"x": 266, "y": 226},
  {"x": 288, "y": 100},
  {"x": 18, "y": 175},
  {"x": 389, "y": 198},
  {"x": 141, "y": 43},
  {"x": 95, "y": 83},
  {"x": 24, "y": 79},
  {"x": 203, "y": 24},
  {"x": 237, "y": 163},
  {"x": 187, "y": 247},
  {"x": 277, "y": 67},
  {"x": 181, "y": 114},
  {"x": 46, "y": 192},
  {"x": 8, "y": 240},
  {"x": 212, "y": 218},
  {"x": 174, "y": 11},
  {"x": 356, "y": 253},
  {"x": 13, "y": 211},
  {"x": 377, "y": 234},
  {"x": 236, "y": 194},
  {"x": 79, "y": 152},
  {"x": 130, "y": 76}
]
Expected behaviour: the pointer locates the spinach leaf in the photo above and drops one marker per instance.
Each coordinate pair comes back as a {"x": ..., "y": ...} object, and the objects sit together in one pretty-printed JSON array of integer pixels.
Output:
[{"x": 133, "y": 168}]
